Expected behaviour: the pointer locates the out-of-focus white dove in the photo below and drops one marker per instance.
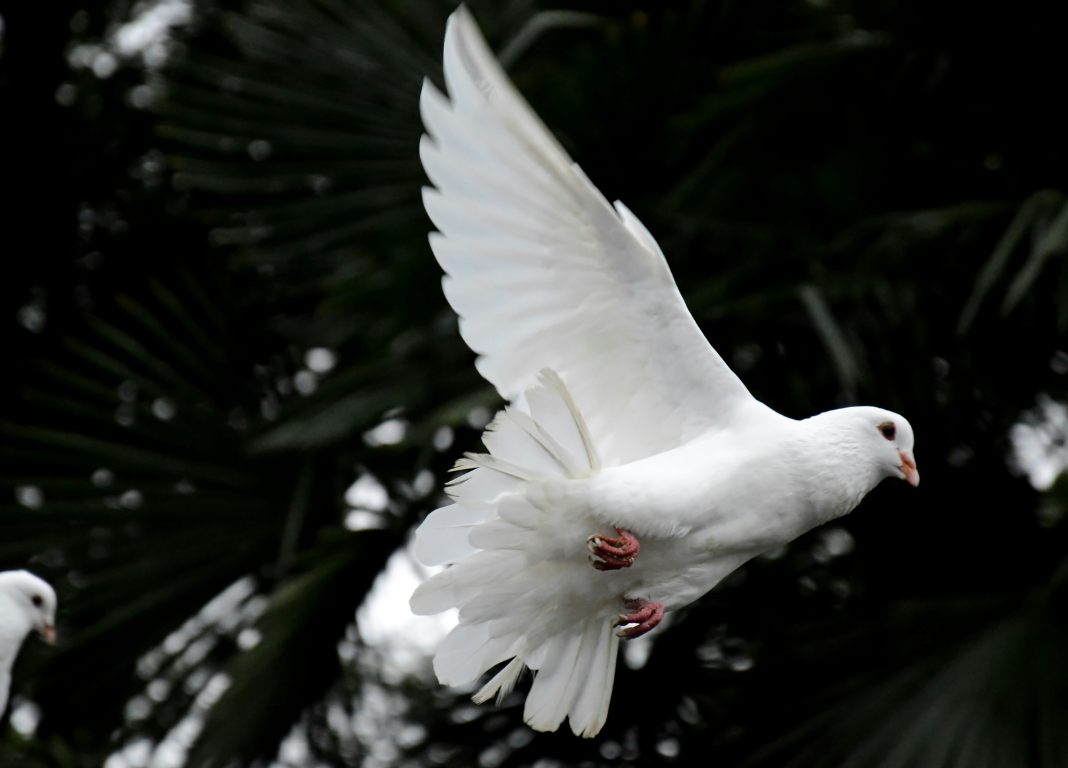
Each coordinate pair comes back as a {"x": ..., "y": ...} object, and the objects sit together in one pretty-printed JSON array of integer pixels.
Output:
[
  {"x": 27, "y": 603},
  {"x": 629, "y": 445}
]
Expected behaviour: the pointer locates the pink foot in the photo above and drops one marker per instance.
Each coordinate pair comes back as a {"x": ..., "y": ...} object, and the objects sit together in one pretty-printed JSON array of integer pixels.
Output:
[
  {"x": 646, "y": 616},
  {"x": 611, "y": 554}
]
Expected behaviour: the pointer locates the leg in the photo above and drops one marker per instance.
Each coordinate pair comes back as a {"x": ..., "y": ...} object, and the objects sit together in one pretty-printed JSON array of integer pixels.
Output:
[
  {"x": 611, "y": 554},
  {"x": 645, "y": 614}
]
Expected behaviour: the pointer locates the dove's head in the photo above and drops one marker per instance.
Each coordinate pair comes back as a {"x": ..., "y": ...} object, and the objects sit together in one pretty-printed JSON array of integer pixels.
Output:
[
  {"x": 888, "y": 437},
  {"x": 27, "y": 603}
]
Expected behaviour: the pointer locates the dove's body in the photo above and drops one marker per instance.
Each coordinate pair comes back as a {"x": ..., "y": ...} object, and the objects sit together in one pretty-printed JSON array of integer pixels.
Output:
[
  {"x": 700, "y": 510},
  {"x": 623, "y": 416},
  {"x": 712, "y": 505}
]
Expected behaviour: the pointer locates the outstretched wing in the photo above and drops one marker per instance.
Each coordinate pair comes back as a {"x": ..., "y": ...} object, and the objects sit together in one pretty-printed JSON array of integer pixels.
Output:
[{"x": 543, "y": 272}]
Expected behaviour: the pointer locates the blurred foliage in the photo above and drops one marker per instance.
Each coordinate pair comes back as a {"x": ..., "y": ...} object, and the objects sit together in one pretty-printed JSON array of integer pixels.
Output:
[{"x": 861, "y": 202}]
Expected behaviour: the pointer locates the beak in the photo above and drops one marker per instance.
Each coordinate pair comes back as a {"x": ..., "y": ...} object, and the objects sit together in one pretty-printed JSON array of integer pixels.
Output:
[
  {"x": 49, "y": 634},
  {"x": 908, "y": 468}
]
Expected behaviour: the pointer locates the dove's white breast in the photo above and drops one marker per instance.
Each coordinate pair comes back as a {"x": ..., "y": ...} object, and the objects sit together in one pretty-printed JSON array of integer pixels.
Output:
[{"x": 703, "y": 509}]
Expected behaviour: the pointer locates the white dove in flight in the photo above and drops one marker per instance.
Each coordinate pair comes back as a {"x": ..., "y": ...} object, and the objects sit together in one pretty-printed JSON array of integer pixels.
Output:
[
  {"x": 27, "y": 603},
  {"x": 633, "y": 470}
]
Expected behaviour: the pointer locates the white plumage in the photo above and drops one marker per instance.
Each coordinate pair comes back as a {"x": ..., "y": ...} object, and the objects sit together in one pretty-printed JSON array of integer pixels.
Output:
[
  {"x": 27, "y": 603},
  {"x": 622, "y": 416}
]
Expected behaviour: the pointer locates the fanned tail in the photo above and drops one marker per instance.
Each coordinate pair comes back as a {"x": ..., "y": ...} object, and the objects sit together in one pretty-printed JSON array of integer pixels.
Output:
[{"x": 511, "y": 568}]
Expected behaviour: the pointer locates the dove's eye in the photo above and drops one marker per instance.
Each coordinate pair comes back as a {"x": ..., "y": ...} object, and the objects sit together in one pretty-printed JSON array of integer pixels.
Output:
[
  {"x": 37, "y": 600},
  {"x": 888, "y": 430}
]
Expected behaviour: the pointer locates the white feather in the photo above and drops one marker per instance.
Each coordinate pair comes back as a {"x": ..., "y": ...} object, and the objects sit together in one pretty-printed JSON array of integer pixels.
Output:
[
  {"x": 551, "y": 405},
  {"x": 590, "y": 709},
  {"x": 443, "y": 536},
  {"x": 501, "y": 684},
  {"x": 467, "y": 652},
  {"x": 547, "y": 702},
  {"x": 519, "y": 446},
  {"x": 461, "y": 581}
]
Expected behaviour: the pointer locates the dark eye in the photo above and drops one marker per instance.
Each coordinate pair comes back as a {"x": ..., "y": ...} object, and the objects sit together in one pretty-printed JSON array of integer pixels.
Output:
[
  {"x": 37, "y": 600},
  {"x": 888, "y": 430}
]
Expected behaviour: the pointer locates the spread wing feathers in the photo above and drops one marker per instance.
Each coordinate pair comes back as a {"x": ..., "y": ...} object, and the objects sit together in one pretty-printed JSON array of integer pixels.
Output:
[
  {"x": 544, "y": 272},
  {"x": 515, "y": 567}
]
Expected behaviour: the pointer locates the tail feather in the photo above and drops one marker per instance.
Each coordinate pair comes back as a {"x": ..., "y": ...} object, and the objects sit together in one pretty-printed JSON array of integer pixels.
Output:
[
  {"x": 518, "y": 511},
  {"x": 480, "y": 488},
  {"x": 444, "y": 535},
  {"x": 498, "y": 534},
  {"x": 547, "y": 702},
  {"x": 486, "y": 606},
  {"x": 513, "y": 624},
  {"x": 462, "y": 656},
  {"x": 502, "y": 683},
  {"x": 511, "y": 577},
  {"x": 461, "y": 582},
  {"x": 586, "y": 667},
  {"x": 590, "y": 711},
  {"x": 576, "y": 682}
]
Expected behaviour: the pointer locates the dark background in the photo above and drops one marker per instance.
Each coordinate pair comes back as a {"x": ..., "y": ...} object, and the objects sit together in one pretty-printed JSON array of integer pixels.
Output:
[{"x": 861, "y": 202}]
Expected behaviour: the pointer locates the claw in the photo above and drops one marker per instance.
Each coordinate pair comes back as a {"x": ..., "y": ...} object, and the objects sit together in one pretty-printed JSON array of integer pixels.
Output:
[
  {"x": 611, "y": 554},
  {"x": 646, "y": 616}
]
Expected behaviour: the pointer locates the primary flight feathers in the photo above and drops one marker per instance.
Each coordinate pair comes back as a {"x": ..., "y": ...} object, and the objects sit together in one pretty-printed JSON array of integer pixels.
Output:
[{"x": 544, "y": 272}]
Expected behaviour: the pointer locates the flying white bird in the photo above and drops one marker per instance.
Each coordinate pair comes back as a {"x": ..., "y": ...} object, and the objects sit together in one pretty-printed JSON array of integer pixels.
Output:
[
  {"x": 27, "y": 603},
  {"x": 633, "y": 470}
]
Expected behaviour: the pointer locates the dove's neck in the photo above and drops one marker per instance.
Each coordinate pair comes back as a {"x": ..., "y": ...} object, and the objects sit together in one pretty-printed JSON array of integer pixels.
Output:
[
  {"x": 15, "y": 625},
  {"x": 839, "y": 463}
]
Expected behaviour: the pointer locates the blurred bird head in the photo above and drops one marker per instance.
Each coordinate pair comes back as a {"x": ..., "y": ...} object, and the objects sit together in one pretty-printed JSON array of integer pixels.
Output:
[{"x": 28, "y": 602}]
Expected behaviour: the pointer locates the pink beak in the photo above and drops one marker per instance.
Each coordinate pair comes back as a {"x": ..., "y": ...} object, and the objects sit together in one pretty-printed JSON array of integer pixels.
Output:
[
  {"x": 50, "y": 634},
  {"x": 908, "y": 466}
]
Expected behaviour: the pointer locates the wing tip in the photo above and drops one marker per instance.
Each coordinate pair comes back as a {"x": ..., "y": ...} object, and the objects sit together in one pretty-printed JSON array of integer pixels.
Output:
[
  {"x": 462, "y": 14},
  {"x": 468, "y": 55},
  {"x": 461, "y": 22}
]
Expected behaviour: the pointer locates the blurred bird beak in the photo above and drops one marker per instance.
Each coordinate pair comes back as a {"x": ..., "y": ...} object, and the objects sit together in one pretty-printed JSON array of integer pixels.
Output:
[
  {"x": 908, "y": 467},
  {"x": 50, "y": 634}
]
